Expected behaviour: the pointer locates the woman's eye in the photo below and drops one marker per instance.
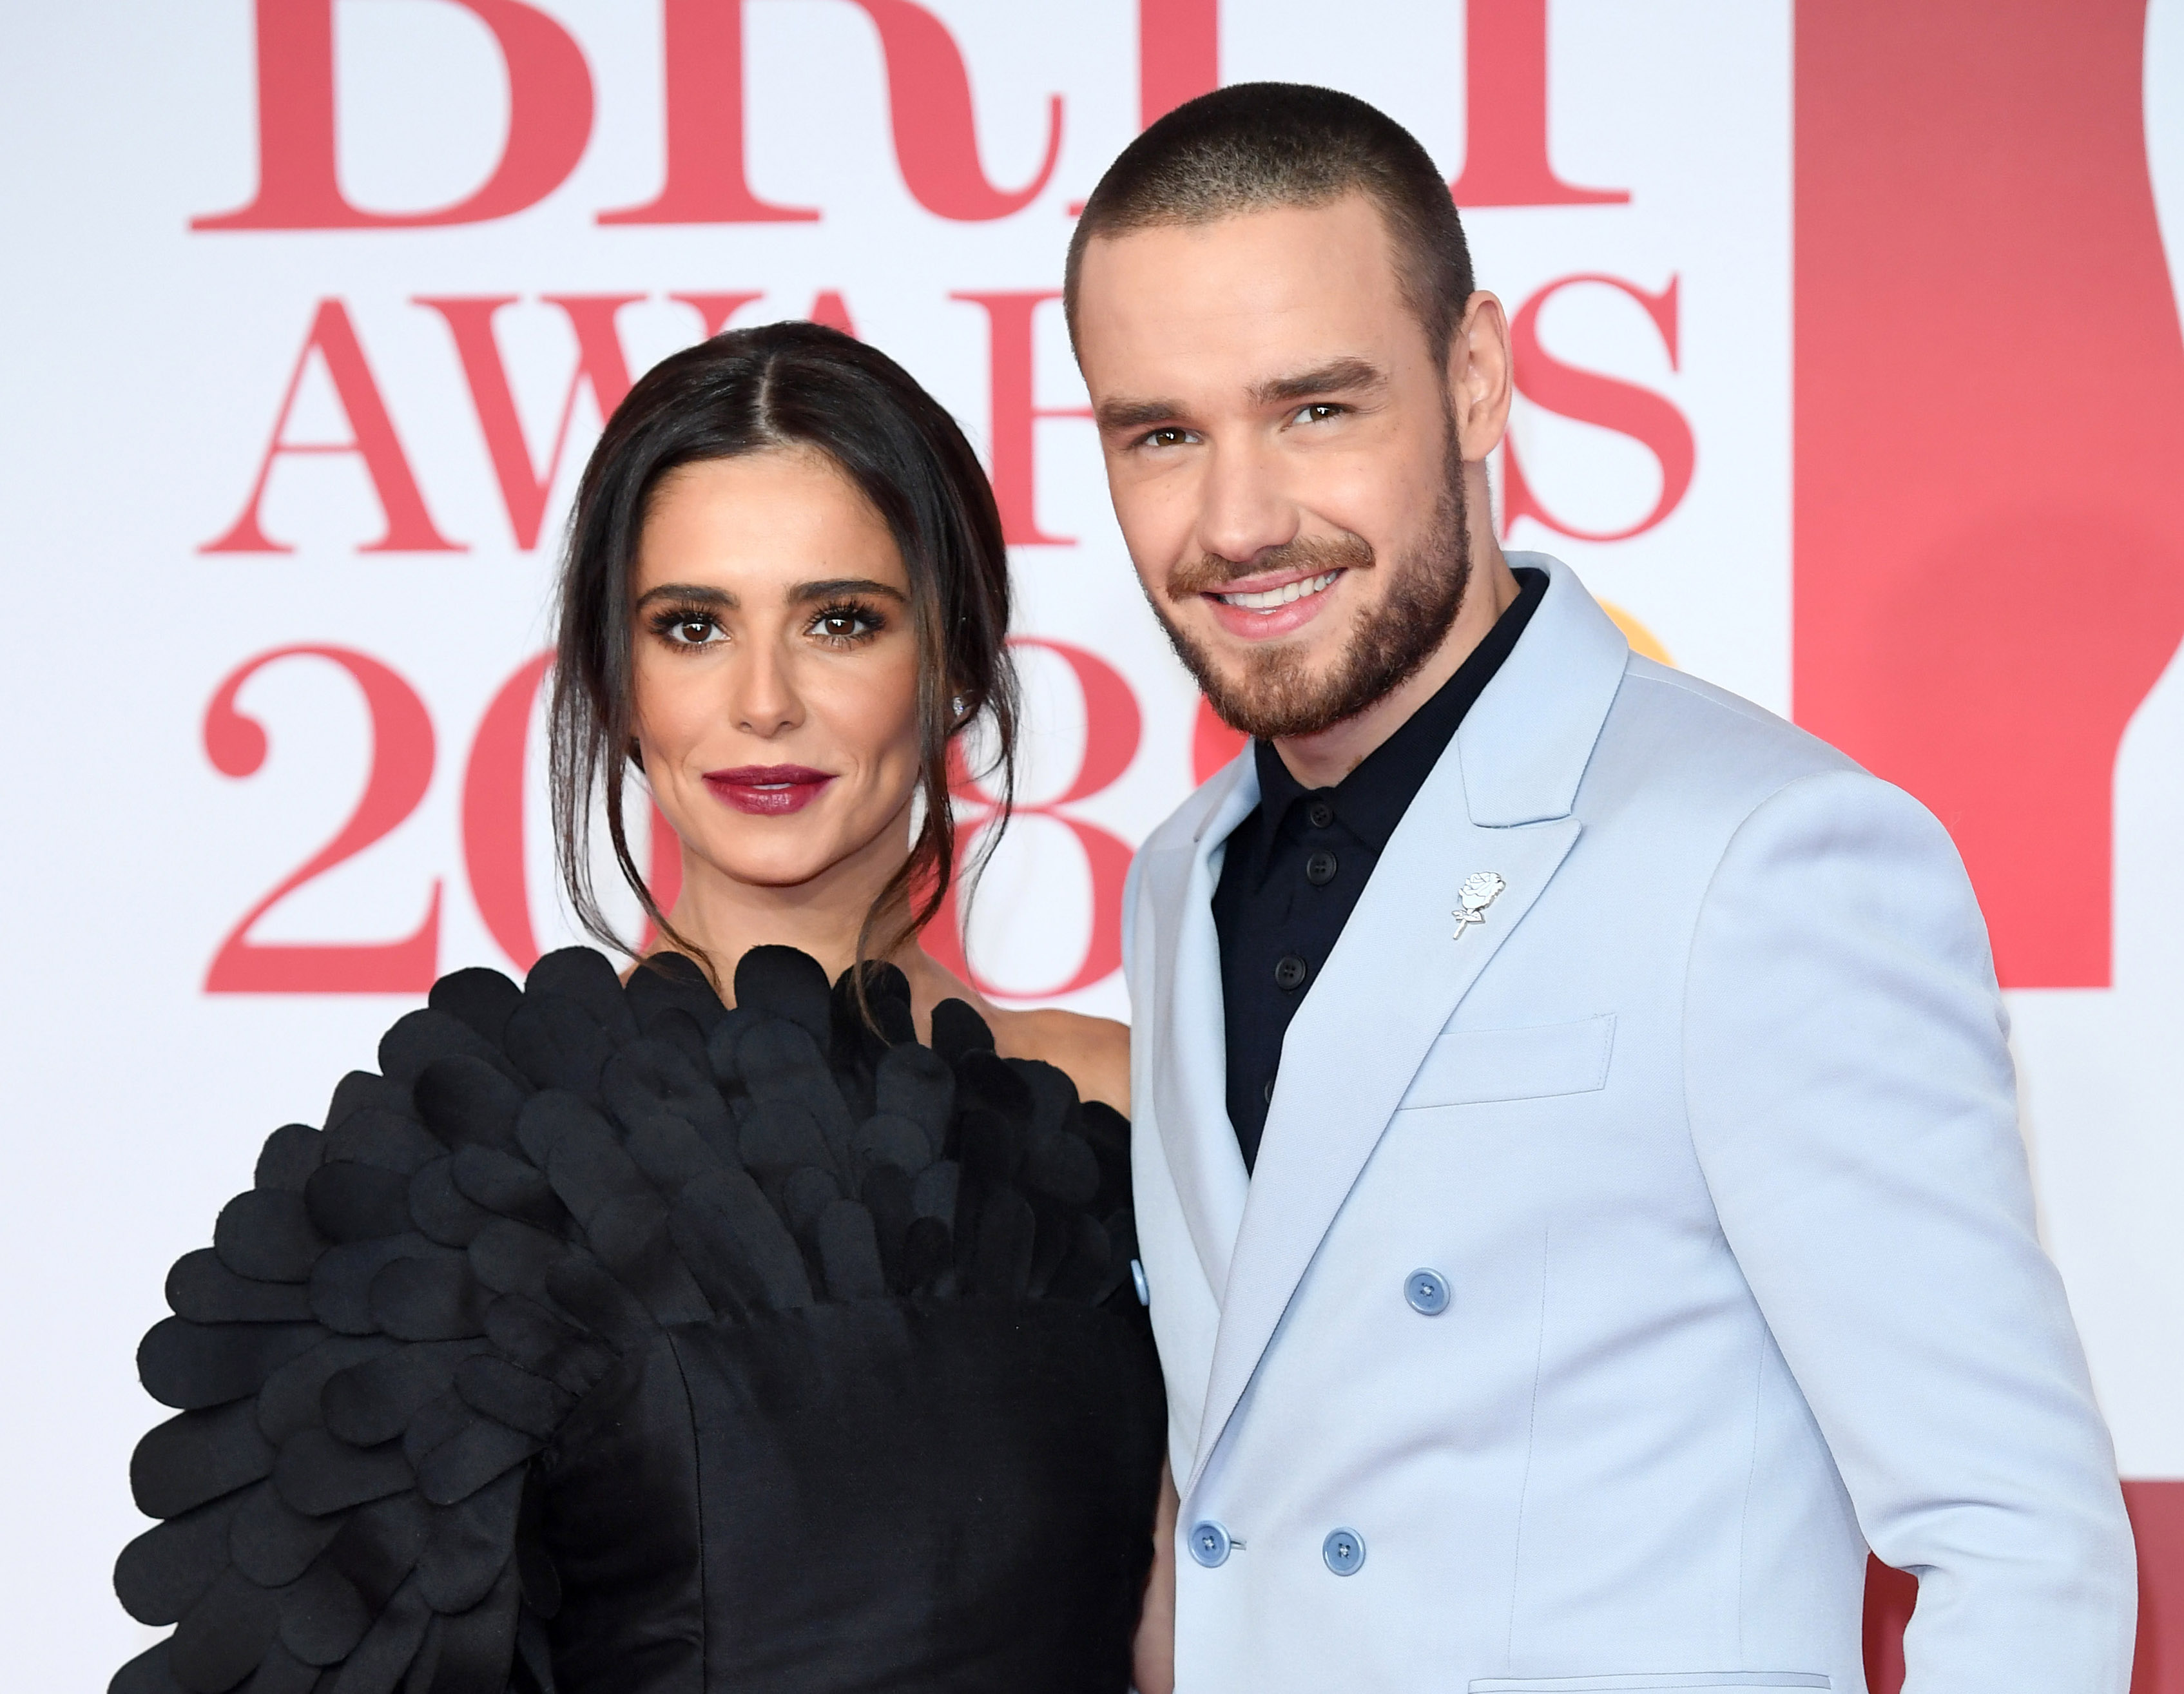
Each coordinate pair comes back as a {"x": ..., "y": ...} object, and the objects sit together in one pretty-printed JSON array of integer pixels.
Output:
[
  {"x": 844, "y": 623},
  {"x": 692, "y": 632}
]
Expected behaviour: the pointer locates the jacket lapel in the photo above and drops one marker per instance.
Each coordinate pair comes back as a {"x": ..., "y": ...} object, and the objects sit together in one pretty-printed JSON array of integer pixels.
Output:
[
  {"x": 1499, "y": 800},
  {"x": 1191, "y": 1080}
]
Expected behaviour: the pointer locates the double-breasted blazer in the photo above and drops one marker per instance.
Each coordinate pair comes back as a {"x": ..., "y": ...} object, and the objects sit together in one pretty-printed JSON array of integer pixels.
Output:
[{"x": 1616, "y": 1267}]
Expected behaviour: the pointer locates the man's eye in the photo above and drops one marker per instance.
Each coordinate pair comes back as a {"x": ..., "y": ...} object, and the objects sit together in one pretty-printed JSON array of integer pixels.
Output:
[
  {"x": 1319, "y": 411},
  {"x": 1168, "y": 437}
]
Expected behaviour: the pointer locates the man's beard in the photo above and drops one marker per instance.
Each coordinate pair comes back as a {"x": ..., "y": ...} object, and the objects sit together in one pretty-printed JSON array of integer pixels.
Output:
[{"x": 1275, "y": 697}]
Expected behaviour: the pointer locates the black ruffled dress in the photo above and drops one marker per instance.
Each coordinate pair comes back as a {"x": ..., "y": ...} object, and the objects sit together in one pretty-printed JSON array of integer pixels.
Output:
[{"x": 610, "y": 1340}]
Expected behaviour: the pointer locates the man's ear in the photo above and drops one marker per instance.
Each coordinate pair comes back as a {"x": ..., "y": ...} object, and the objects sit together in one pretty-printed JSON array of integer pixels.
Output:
[{"x": 1480, "y": 382}]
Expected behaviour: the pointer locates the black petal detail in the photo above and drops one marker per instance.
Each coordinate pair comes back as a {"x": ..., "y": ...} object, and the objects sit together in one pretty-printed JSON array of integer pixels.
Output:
[
  {"x": 466, "y": 1548},
  {"x": 957, "y": 1030},
  {"x": 476, "y": 1646},
  {"x": 464, "y": 1100},
  {"x": 341, "y": 1287},
  {"x": 441, "y": 1211},
  {"x": 918, "y": 1084},
  {"x": 373, "y": 1402},
  {"x": 1061, "y": 1167},
  {"x": 483, "y": 999},
  {"x": 509, "y": 1257},
  {"x": 162, "y": 1573},
  {"x": 317, "y": 1473},
  {"x": 203, "y": 1290},
  {"x": 387, "y": 1140},
  {"x": 557, "y": 1044},
  {"x": 780, "y": 982},
  {"x": 429, "y": 1299},
  {"x": 650, "y": 1077},
  {"x": 353, "y": 1202},
  {"x": 849, "y": 1252},
  {"x": 886, "y": 1139},
  {"x": 365, "y": 1091},
  {"x": 388, "y": 1648},
  {"x": 513, "y": 1395},
  {"x": 198, "y": 1456},
  {"x": 289, "y": 1402},
  {"x": 272, "y": 1543},
  {"x": 324, "y": 1617},
  {"x": 471, "y": 1458},
  {"x": 192, "y": 1365},
  {"x": 780, "y": 1135},
  {"x": 671, "y": 982},
  {"x": 290, "y": 1155},
  {"x": 504, "y": 1183},
  {"x": 416, "y": 1040},
  {"x": 225, "y": 1635},
  {"x": 1006, "y": 1233},
  {"x": 280, "y": 1671},
  {"x": 736, "y": 1246},
  {"x": 146, "y": 1674},
  {"x": 583, "y": 976},
  {"x": 266, "y": 1234}
]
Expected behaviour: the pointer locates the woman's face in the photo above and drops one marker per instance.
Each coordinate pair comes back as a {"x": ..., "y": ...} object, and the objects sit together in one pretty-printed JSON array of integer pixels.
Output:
[{"x": 775, "y": 669}]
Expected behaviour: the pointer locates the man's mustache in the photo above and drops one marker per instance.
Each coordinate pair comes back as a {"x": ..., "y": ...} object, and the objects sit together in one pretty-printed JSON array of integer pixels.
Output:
[{"x": 1209, "y": 574}]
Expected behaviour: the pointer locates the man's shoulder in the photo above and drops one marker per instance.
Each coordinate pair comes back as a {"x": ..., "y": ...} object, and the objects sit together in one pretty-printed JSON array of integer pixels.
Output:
[{"x": 1667, "y": 725}]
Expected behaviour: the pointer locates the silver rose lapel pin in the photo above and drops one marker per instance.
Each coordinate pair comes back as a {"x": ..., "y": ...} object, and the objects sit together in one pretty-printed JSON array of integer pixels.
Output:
[{"x": 1480, "y": 889}]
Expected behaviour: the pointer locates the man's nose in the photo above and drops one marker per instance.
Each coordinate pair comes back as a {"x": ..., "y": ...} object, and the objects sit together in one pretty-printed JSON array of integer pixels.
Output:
[{"x": 1242, "y": 510}]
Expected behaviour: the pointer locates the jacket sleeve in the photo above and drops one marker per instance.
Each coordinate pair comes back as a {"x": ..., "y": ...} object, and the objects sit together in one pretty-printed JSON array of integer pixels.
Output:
[{"x": 1853, "y": 1104}]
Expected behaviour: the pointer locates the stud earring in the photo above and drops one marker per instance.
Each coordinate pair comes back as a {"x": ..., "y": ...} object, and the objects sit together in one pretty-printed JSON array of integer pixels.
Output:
[{"x": 958, "y": 705}]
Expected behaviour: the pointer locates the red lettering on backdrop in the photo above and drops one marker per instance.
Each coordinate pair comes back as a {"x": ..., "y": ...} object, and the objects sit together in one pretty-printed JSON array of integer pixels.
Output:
[
  {"x": 830, "y": 308},
  {"x": 550, "y": 122},
  {"x": 1179, "y": 54},
  {"x": 600, "y": 366},
  {"x": 401, "y": 770},
  {"x": 707, "y": 182},
  {"x": 1113, "y": 728},
  {"x": 372, "y": 439},
  {"x": 493, "y": 822},
  {"x": 1015, "y": 414},
  {"x": 1590, "y": 398},
  {"x": 1989, "y": 535},
  {"x": 1505, "y": 93},
  {"x": 936, "y": 140},
  {"x": 714, "y": 310}
]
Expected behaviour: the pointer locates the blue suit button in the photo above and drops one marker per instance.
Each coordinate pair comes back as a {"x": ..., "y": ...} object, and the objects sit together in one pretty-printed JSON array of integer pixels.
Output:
[
  {"x": 1138, "y": 1277},
  {"x": 1428, "y": 1292},
  {"x": 1210, "y": 1543},
  {"x": 1344, "y": 1550}
]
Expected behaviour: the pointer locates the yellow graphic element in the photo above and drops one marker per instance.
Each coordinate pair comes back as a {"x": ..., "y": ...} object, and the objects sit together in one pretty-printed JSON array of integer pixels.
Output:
[{"x": 1641, "y": 639}]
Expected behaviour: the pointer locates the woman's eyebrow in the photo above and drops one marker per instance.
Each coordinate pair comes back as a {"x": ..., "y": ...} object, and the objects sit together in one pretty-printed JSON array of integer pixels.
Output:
[
  {"x": 834, "y": 587},
  {"x": 697, "y": 593}
]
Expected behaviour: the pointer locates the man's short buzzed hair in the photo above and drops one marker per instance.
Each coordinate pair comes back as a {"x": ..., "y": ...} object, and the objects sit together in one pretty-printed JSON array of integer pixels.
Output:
[{"x": 1256, "y": 145}]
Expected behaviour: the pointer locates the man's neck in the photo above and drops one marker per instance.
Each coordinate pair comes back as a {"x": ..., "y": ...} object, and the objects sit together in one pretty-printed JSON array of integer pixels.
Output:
[{"x": 1321, "y": 760}]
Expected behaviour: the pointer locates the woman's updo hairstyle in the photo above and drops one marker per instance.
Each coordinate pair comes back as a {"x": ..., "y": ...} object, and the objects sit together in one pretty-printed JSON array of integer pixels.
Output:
[{"x": 747, "y": 391}]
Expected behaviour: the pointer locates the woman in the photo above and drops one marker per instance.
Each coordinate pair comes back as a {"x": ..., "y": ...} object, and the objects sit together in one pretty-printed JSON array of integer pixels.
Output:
[{"x": 765, "y": 1319}]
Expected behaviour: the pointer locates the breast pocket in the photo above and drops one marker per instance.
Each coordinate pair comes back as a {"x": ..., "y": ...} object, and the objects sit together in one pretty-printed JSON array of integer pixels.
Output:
[{"x": 1470, "y": 1067}]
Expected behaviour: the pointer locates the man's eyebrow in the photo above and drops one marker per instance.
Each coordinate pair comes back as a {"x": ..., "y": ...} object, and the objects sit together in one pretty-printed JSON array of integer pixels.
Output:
[
  {"x": 695, "y": 594},
  {"x": 1338, "y": 375},
  {"x": 833, "y": 588},
  {"x": 1128, "y": 414}
]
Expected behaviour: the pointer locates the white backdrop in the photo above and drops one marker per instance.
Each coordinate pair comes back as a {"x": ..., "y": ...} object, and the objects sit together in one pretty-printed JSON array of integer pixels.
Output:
[{"x": 145, "y": 367}]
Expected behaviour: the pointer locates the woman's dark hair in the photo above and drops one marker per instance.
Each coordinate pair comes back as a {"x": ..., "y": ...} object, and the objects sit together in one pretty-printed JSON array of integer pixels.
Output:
[{"x": 747, "y": 391}]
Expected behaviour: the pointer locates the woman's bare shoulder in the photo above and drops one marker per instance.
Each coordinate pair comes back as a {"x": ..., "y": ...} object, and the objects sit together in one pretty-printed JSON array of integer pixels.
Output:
[{"x": 1095, "y": 1052}]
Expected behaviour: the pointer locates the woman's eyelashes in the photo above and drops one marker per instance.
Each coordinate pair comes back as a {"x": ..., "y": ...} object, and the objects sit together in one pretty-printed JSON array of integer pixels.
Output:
[{"x": 848, "y": 623}]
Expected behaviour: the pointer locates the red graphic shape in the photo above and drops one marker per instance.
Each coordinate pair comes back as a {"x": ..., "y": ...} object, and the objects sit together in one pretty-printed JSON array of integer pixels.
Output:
[
  {"x": 1504, "y": 123},
  {"x": 1652, "y": 422},
  {"x": 1113, "y": 729},
  {"x": 550, "y": 122},
  {"x": 1989, "y": 527},
  {"x": 2157, "y": 1519},
  {"x": 599, "y": 364},
  {"x": 707, "y": 182},
  {"x": 1015, "y": 414},
  {"x": 492, "y": 814},
  {"x": 371, "y": 438},
  {"x": 1179, "y": 54},
  {"x": 936, "y": 139},
  {"x": 400, "y": 772}
]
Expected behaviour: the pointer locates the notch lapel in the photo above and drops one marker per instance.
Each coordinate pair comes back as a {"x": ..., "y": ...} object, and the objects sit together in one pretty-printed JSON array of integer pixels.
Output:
[
  {"x": 1398, "y": 971},
  {"x": 1191, "y": 1077}
]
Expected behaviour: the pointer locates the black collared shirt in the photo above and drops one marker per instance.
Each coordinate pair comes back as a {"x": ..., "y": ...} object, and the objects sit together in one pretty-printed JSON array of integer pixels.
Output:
[{"x": 1296, "y": 865}]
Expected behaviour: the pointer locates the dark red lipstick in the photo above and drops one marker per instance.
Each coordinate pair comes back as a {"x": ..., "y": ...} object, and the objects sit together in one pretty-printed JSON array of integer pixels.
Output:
[{"x": 768, "y": 790}]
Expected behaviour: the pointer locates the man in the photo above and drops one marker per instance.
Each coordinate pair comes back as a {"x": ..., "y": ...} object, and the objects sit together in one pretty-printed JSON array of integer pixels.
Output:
[{"x": 1576, "y": 1152}]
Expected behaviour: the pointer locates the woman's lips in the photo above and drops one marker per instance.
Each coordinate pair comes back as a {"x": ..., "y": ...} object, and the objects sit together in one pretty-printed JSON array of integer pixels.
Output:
[{"x": 768, "y": 790}]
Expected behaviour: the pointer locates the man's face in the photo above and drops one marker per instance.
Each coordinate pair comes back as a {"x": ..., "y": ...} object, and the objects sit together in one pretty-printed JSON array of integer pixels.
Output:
[{"x": 1285, "y": 451}]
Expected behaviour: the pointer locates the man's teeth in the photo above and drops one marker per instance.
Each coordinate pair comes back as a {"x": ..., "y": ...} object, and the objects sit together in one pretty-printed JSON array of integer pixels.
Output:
[{"x": 1271, "y": 597}]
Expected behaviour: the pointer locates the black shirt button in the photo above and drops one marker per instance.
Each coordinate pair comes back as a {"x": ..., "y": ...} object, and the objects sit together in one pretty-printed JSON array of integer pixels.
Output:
[
  {"x": 1291, "y": 972},
  {"x": 1319, "y": 869},
  {"x": 1320, "y": 813}
]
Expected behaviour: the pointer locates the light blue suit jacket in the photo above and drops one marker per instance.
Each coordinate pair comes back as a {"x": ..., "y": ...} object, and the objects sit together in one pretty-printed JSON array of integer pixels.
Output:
[{"x": 1709, "y": 1129}]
